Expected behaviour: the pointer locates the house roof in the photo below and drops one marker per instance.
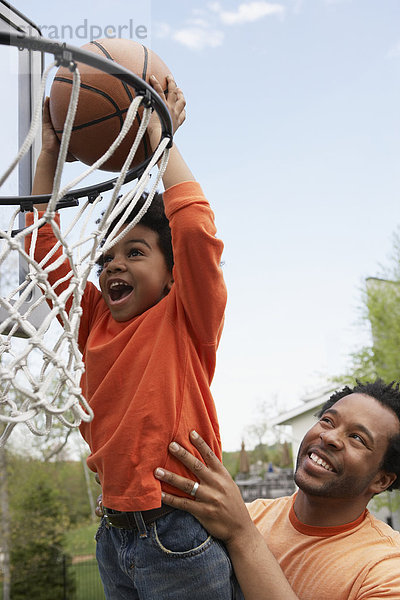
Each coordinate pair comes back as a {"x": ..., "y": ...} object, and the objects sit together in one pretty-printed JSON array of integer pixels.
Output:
[{"x": 308, "y": 404}]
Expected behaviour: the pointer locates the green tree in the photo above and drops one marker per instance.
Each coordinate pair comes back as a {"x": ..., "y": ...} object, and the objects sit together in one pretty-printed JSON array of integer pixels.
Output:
[
  {"x": 381, "y": 356},
  {"x": 4, "y": 523},
  {"x": 39, "y": 565},
  {"x": 380, "y": 314},
  {"x": 231, "y": 462},
  {"x": 69, "y": 478}
]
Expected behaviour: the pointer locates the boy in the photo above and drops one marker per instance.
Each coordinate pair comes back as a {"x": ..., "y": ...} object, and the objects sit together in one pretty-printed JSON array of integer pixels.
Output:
[{"x": 149, "y": 341}]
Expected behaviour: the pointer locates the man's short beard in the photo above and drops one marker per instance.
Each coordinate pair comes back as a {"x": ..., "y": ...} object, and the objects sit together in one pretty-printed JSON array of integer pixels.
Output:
[{"x": 342, "y": 487}]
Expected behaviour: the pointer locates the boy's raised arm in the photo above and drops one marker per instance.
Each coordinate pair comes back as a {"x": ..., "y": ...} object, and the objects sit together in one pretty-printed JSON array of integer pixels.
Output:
[
  {"x": 177, "y": 170},
  {"x": 47, "y": 161}
]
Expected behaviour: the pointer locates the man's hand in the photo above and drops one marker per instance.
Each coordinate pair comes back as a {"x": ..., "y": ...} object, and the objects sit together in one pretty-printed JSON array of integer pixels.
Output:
[
  {"x": 219, "y": 507},
  {"x": 217, "y": 503}
]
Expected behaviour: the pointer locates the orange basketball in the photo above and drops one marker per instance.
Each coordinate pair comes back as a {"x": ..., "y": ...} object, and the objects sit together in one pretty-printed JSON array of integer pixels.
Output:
[{"x": 104, "y": 101}]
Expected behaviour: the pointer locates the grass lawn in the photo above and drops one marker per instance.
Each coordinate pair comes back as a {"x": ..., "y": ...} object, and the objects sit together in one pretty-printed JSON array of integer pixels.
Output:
[
  {"x": 80, "y": 541},
  {"x": 87, "y": 579},
  {"x": 80, "y": 544}
]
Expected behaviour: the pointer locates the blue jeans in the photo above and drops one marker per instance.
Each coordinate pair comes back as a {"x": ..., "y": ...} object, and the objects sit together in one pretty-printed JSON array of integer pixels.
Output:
[{"x": 172, "y": 558}]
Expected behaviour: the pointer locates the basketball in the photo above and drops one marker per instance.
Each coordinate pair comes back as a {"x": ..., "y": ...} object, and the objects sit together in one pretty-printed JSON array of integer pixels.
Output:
[{"x": 104, "y": 101}]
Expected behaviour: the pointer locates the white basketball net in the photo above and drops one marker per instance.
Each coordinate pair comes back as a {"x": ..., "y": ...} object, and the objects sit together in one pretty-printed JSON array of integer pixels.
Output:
[{"x": 40, "y": 379}]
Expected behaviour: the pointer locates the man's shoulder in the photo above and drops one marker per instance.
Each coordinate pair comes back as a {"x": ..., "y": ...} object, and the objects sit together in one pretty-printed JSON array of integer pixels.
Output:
[
  {"x": 265, "y": 510},
  {"x": 383, "y": 531}
]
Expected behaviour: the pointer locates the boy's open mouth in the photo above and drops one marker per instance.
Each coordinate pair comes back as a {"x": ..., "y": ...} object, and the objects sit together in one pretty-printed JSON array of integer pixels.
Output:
[{"x": 118, "y": 290}]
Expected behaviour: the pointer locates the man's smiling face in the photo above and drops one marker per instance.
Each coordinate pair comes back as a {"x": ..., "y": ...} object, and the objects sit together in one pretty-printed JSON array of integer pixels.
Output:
[{"x": 341, "y": 455}]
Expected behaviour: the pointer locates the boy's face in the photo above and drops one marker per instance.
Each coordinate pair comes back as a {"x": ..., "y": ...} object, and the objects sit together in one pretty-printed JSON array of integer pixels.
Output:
[{"x": 135, "y": 275}]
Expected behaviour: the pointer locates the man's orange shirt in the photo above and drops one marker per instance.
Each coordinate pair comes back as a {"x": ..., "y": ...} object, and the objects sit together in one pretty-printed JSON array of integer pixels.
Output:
[
  {"x": 148, "y": 379},
  {"x": 355, "y": 561}
]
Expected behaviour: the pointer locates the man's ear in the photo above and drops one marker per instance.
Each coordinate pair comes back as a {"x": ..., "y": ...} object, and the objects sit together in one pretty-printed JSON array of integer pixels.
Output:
[{"x": 382, "y": 481}]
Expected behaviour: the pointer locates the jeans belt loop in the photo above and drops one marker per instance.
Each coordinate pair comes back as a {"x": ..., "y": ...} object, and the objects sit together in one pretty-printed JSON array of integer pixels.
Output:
[{"x": 140, "y": 524}]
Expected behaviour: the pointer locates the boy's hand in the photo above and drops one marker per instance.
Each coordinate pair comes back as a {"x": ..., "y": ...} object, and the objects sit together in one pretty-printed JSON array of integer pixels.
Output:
[
  {"x": 99, "y": 506},
  {"x": 47, "y": 160},
  {"x": 175, "y": 101},
  {"x": 177, "y": 170},
  {"x": 50, "y": 141}
]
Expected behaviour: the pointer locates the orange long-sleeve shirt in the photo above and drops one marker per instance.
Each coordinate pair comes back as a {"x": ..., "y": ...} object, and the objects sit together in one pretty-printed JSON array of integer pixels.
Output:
[
  {"x": 148, "y": 379},
  {"x": 355, "y": 561}
]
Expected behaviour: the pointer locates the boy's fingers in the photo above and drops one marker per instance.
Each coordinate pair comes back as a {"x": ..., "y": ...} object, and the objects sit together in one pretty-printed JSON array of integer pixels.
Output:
[
  {"x": 180, "y": 109},
  {"x": 99, "y": 506},
  {"x": 156, "y": 85},
  {"x": 46, "y": 111},
  {"x": 180, "y": 102},
  {"x": 171, "y": 83}
]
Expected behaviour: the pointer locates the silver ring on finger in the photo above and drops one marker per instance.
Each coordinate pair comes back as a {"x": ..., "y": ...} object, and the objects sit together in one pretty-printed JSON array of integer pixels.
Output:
[{"x": 194, "y": 489}]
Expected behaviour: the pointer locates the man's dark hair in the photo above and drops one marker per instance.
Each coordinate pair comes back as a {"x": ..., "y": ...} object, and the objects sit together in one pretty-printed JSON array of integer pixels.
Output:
[
  {"x": 388, "y": 395},
  {"x": 154, "y": 218}
]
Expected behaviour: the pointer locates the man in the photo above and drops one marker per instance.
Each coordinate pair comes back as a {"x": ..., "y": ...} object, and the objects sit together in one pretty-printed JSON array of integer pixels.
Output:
[{"x": 322, "y": 543}]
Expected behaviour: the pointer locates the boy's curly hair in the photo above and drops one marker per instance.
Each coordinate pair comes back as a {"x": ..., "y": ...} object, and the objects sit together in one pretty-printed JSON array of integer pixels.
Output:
[{"x": 154, "y": 218}]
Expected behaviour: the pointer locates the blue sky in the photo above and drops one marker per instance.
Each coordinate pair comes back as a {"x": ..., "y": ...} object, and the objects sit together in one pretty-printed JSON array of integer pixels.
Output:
[{"x": 293, "y": 130}]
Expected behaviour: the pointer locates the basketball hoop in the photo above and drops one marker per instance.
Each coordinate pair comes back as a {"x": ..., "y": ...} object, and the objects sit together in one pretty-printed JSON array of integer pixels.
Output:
[{"x": 40, "y": 378}]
